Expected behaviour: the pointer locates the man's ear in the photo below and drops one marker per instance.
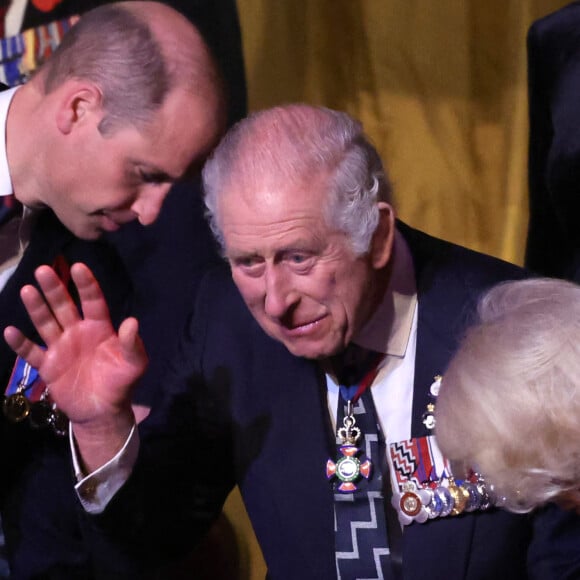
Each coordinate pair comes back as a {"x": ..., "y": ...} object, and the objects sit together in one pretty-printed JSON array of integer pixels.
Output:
[
  {"x": 382, "y": 241},
  {"x": 79, "y": 102}
]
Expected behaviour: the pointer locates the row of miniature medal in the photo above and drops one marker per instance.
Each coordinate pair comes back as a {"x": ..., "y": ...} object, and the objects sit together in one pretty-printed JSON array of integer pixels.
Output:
[
  {"x": 426, "y": 486},
  {"x": 37, "y": 407},
  {"x": 21, "y": 54},
  {"x": 443, "y": 497}
]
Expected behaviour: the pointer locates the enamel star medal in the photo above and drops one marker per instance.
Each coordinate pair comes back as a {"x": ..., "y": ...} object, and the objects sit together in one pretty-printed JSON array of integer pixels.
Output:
[{"x": 352, "y": 464}]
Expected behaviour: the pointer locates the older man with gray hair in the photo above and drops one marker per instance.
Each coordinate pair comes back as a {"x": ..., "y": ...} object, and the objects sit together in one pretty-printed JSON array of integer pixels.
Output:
[{"x": 310, "y": 381}]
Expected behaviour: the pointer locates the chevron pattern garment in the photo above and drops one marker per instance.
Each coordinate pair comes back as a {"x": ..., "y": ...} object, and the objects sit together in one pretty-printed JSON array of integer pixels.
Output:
[{"x": 360, "y": 527}]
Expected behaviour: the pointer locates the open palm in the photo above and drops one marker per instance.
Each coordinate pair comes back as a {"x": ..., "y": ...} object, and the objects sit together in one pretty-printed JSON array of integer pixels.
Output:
[{"x": 88, "y": 367}]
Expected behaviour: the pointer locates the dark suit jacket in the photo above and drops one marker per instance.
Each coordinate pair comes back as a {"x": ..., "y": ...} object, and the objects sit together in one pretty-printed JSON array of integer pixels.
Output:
[
  {"x": 152, "y": 273},
  {"x": 166, "y": 262},
  {"x": 241, "y": 409},
  {"x": 37, "y": 498},
  {"x": 553, "y": 245}
]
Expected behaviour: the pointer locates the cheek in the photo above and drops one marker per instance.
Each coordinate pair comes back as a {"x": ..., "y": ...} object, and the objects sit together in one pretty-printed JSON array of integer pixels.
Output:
[
  {"x": 354, "y": 304},
  {"x": 324, "y": 289}
]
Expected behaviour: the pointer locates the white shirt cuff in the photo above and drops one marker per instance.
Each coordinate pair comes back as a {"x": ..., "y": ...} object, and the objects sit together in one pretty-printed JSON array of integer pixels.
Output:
[{"x": 98, "y": 488}]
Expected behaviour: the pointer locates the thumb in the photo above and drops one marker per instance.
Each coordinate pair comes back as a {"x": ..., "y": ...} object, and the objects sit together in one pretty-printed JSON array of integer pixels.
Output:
[{"x": 132, "y": 347}]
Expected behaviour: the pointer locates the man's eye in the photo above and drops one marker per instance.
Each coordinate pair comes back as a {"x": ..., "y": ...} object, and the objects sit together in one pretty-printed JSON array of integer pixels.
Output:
[
  {"x": 298, "y": 258},
  {"x": 249, "y": 263},
  {"x": 246, "y": 262},
  {"x": 153, "y": 177}
]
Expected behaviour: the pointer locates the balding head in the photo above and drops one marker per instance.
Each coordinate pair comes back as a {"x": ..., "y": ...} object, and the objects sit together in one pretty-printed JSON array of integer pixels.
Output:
[{"x": 136, "y": 53}]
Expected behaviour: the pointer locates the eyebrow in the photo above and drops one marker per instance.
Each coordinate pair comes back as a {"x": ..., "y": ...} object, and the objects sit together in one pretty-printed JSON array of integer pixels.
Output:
[{"x": 242, "y": 255}]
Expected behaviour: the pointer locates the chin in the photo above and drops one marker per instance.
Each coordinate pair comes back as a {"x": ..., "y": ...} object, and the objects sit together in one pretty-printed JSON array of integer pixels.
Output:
[
  {"x": 88, "y": 232},
  {"x": 82, "y": 231}
]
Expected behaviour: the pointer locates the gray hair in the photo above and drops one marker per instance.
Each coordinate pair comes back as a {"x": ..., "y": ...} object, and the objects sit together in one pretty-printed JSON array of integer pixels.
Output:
[
  {"x": 510, "y": 399},
  {"x": 293, "y": 145}
]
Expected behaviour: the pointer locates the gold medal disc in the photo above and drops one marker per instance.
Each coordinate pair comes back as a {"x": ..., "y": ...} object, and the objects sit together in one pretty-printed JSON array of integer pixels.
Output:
[{"x": 16, "y": 407}]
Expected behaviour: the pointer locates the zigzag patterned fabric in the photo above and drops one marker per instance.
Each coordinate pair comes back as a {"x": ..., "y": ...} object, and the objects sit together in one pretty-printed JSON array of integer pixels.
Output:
[{"x": 361, "y": 544}]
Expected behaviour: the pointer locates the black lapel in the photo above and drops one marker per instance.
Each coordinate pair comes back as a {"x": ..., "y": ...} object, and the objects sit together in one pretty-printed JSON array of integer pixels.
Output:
[
  {"x": 444, "y": 306},
  {"x": 441, "y": 300}
]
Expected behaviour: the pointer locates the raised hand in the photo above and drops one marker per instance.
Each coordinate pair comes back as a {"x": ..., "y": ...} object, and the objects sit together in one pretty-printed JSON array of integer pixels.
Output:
[{"x": 88, "y": 367}]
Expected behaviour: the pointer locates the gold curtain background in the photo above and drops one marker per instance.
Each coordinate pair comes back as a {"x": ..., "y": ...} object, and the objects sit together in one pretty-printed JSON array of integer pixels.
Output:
[{"x": 441, "y": 88}]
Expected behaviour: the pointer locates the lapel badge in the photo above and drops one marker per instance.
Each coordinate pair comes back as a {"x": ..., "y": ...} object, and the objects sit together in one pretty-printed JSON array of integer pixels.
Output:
[
  {"x": 428, "y": 417},
  {"x": 435, "y": 386}
]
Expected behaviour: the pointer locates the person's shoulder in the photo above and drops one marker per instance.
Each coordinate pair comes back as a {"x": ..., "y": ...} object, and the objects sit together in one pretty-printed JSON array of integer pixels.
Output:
[
  {"x": 435, "y": 257},
  {"x": 557, "y": 28}
]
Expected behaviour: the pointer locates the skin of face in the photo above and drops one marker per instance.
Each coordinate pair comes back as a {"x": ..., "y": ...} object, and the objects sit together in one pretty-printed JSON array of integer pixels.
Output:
[
  {"x": 300, "y": 278},
  {"x": 98, "y": 182}
]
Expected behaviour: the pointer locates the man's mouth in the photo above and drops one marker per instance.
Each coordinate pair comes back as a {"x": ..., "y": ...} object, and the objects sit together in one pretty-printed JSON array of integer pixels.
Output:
[
  {"x": 108, "y": 224},
  {"x": 111, "y": 223},
  {"x": 303, "y": 328}
]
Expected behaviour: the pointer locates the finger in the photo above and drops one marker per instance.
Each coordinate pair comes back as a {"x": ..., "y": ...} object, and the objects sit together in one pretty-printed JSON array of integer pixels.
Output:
[
  {"x": 131, "y": 344},
  {"x": 56, "y": 294},
  {"x": 40, "y": 314},
  {"x": 23, "y": 347},
  {"x": 93, "y": 303}
]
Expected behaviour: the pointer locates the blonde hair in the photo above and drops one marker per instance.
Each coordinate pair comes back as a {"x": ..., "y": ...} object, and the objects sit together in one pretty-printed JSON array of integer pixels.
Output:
[{"x": 509, "y": 404}]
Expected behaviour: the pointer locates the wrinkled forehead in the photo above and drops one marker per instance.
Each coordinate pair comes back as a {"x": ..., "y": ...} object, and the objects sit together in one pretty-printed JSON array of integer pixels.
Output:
[{"x": 276, "y": 198}]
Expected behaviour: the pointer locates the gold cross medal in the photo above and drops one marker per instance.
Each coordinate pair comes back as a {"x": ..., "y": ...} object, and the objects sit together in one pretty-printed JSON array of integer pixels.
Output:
[{"x": 348, "y": 468}]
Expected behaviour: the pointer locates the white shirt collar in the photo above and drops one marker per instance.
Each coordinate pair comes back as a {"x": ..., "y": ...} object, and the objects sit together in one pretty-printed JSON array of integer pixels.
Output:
[{"x": 5, "y": 180}]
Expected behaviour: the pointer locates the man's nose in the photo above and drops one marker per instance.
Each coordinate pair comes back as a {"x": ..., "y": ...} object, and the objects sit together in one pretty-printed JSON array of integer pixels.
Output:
[
  {"x": 149, "y": 203},
  {"x": 279, "y": 294}
]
